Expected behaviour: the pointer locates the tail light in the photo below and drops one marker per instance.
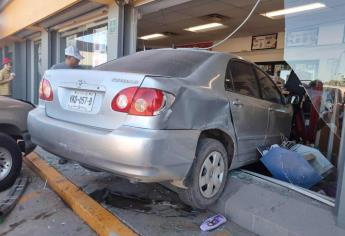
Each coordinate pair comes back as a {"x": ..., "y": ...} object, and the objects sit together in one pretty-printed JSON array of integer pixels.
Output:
[
  {"x": 45, "y": 90},
  {"x": 142, "y": 101}
]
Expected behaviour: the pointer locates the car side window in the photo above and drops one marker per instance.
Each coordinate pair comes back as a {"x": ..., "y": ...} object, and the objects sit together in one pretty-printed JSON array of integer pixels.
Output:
[
  {"x": 268, "y": 89},
  {"x": 244, "y": 80}
]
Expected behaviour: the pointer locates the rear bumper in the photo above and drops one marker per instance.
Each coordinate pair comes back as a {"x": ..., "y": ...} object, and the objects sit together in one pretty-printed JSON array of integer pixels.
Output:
[{"x": 139, "y": 154}]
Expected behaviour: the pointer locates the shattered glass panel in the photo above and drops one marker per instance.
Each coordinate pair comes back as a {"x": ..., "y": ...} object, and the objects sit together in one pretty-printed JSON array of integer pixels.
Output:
[{"x": 315, "y": 50}]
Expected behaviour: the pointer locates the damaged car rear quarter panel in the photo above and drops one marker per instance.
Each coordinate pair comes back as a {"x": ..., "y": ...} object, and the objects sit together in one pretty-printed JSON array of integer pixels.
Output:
[{"x": 201, "y": 102}]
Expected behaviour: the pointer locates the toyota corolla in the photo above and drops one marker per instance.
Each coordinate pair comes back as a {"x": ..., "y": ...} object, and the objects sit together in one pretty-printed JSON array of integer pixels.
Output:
[{"x": 177, "y": 116}]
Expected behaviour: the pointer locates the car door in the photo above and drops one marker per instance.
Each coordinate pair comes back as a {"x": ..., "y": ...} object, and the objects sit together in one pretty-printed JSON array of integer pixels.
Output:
[
  {"x": 249, "y": 112},
  {"x": 280, "y": 114}
]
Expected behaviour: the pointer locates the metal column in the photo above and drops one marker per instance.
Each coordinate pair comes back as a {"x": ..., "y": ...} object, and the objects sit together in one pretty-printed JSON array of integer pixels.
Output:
[
  {"x": 122, "y": 29},
  {"x": 130, "y": 30},
  {"x": 19, "y": 62},
  {"x": 115, "y": 30},
  {"x": 340, "y": 201},
  {"x": 46, "y": 50}
]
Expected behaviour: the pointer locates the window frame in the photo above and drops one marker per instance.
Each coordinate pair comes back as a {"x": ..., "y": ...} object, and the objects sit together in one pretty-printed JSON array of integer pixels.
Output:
[
  {"x": 228, "y": 72},
  {"x": 83, "y": 29}
]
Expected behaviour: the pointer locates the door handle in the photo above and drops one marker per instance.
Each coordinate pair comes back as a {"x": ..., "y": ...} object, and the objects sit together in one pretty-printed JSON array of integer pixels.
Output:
[
  {"x": 271, "y": 109},
  {"x": 237, "y": 103}
]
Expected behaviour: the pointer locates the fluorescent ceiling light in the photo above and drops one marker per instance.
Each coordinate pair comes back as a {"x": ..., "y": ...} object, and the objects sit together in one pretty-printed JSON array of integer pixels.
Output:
[
  {"x": 152, "y": 36},
  {"x": 206, "y": 27},
  {"x": 287, "y": 11}
]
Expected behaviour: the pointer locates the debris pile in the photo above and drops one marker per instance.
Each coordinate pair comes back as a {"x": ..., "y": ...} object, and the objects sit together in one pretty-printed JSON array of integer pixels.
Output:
[{"x": 297, "y": 164}]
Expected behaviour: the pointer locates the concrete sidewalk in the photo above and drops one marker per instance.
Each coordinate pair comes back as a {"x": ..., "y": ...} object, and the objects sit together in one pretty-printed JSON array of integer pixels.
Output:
[{"x": 268, "y": 209}]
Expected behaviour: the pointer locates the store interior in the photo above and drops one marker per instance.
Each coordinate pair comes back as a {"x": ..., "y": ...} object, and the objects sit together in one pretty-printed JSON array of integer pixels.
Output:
[{"x": 278, "y": 45}]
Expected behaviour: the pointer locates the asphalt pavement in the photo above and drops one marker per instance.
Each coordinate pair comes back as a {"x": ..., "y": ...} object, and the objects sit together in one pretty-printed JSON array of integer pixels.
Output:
[
  {"x": 41, "y": 212},
  {"x": 149, "y": 209}
]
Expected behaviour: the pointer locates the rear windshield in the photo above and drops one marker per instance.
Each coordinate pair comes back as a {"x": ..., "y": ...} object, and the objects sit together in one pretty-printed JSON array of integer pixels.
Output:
[{"x": 174, "y": 63}]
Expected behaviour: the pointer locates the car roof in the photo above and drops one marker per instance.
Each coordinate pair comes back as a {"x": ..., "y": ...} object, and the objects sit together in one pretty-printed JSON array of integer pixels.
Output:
[
  {"x": 167, "y": 62},
  {"x": 202, "y": 50},
  {"x": 164, "y": 62}
]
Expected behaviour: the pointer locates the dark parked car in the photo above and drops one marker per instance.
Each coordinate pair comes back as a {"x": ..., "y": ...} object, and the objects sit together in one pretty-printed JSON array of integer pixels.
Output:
[{"x": 14, "y": 139}]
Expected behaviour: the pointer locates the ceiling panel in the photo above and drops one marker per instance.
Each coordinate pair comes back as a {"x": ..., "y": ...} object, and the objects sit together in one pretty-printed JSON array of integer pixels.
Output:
[
  {"x": 239, "y": 3},
  {"x": 265, "y": 6},
  {"x": 176, "y": 19},
  {"x": 206, "y": 8},
  {"x": 189, "y": 5},
  {"x": 167, "y": 18},
  {"x": 70, "y": 13}
]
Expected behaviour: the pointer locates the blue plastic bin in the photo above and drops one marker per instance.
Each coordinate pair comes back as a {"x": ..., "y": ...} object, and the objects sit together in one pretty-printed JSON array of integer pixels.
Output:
[{"x": 291, "y": 167}]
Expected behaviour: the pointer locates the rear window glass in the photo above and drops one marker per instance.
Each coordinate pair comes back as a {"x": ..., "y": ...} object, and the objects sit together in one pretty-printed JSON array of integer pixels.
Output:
[{"x": 174, "y": 63}]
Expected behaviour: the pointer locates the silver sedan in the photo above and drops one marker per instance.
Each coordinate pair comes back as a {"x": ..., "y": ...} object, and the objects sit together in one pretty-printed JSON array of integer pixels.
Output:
[{"x": 176, "y": 116}]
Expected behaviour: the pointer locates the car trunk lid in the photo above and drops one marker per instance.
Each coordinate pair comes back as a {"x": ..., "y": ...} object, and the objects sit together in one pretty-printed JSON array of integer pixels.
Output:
[{"x": 85, "y": 96}]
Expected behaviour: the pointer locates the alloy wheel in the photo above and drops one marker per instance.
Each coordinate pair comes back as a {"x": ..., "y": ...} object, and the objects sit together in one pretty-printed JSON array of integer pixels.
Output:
[{"x": 5, "y": 163}]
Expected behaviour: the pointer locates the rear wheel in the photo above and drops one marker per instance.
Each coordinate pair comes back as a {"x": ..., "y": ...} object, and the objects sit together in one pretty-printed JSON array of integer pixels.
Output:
[
  {"x": 208, "y": 174},
  {"x": 10, "y": 161}
]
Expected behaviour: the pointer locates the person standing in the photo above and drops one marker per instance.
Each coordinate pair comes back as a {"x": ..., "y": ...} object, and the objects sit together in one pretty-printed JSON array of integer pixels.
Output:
[
  {"x": 6, "y": 76},
  {"x": 72, "y": 60}
]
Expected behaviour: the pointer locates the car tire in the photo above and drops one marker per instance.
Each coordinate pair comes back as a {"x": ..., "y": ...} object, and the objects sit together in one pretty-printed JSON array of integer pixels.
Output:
[
  {"x": 10, "y": 161},
  {"x": 208, "y": 174}
]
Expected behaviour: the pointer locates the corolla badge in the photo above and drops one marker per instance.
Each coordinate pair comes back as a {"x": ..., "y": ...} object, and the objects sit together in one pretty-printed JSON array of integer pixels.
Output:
[{"x": 127, "y": 81}]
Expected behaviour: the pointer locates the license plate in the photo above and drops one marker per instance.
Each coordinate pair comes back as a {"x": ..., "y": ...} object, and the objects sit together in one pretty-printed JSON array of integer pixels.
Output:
[{"x": 81, "y": 100}]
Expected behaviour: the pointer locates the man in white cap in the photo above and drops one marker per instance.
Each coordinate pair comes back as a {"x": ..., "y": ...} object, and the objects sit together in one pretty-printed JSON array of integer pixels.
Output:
[{"x": 72, "y": 59}]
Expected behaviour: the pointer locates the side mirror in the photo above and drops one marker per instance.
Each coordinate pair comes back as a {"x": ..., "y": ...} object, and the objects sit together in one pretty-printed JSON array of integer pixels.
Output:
[{"x": 293, "y": 99}]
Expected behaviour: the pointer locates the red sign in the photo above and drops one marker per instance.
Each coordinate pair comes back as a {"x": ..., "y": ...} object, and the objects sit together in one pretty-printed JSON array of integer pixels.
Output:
[{"x": 196, "y": 45}]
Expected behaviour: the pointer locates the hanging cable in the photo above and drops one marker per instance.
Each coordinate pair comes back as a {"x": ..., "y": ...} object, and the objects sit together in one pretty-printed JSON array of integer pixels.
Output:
[{"x": 240, "y": 26}]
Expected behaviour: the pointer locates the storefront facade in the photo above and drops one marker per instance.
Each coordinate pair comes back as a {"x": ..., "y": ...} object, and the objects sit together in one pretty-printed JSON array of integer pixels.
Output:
[
  {"x": 37, "y": 41},
  {"x": 104, "y": 30}
]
